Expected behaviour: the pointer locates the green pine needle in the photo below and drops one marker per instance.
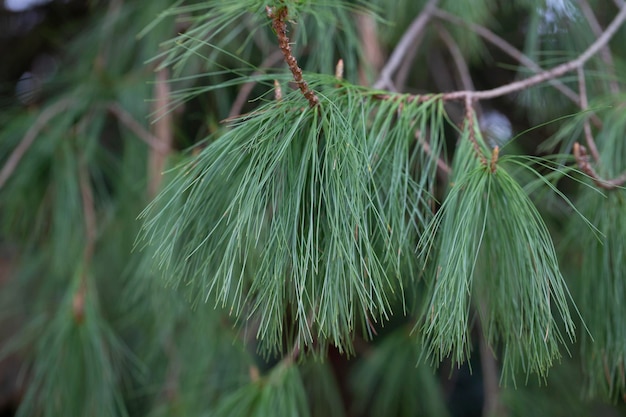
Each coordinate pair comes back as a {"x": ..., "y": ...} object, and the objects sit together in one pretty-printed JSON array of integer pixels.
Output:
[
  {"x": 601, "y": 292},
  {"x": 77, "y": 363},
  {"x": 302, "y": 215},
  {"x": 495, "y": 256},
  {"x": 385, "y": 382},
  {"x": 281, "y": 393}
]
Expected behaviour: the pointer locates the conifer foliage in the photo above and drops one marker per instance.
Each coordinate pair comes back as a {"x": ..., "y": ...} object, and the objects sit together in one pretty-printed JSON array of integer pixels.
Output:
[{"x": 322, "y": 208}]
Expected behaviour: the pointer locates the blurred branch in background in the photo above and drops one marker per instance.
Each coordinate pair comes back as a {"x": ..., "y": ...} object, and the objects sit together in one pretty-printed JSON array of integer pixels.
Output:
[{"x": 310, "y": 209}]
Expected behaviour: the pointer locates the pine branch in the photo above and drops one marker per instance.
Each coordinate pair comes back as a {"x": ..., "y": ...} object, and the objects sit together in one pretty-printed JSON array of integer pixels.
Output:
[
  {"x": 457, "y": 58},
  {"x": 518, "y": 279},
  {"x": 580, "y": 153},
  {"x": 492, "y": 403},
  {"x": 584, "y": 105},
  {"x": 163, "y": 137},
  {"x": 134, "y": 126},
  {"x": 89, "y": 214},
  {"x": 279, "y": 23},
  {"x": 29, "y": 138},
  {"x": 470, "y": 118},
  {"x": 605, "y": 52},
  {"x": 508, "y": 49},
  {"x": 442, "y": 167},
  {"x": 246, "y": 89},
  {"x": 549, "y": 74},
  {"x": 406, "y": 42}
]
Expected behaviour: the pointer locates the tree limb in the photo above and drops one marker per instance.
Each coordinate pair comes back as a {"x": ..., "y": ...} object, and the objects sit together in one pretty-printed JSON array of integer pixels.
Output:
[
  {"x": 605, "y": 53},
  {"x": 407, "y": 41},
  {"x": 457, "y": 58},
  {"x": 584, "y": 105},
  {"x": 580, "y": 153},
  {"x": 135, "y": 127},
  {"x": 279, "y": 19},
  {"x": 246, "y": 89},
  {"x": 30, "y": 136},
  {"x": 507, "y": 48},
  {"x": 549, "y": 74}
]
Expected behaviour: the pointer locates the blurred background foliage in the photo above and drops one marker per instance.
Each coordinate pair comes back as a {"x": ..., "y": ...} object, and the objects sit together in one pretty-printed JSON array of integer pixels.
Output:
[{"x": 99, "y": 98}]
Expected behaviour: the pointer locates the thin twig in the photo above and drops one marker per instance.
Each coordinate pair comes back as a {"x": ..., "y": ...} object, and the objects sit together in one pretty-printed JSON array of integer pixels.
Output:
[
  {"x": 443, "y": 168},
  {"x": 403, "y": 72},
  {"x": 605, "y": 53},
  {"x": 246, "y": 89},
  {"x": 469, "y": 118},
  {"x": 370, "y": 45},
  {"x": 279, "y": 23},
  {"x": 30, "y": 136},
  {"x": 457, "y": 58},
  {"x": 296, "y": 348},
  {"x": 89, "y": 217},
  {"x": 171, "y": 385},
  {"x": 141, "y": 132},
  {"x": 584, "y": 104},
  {"x": 408, "y": 40},
  {"x": 163, "y": 132},
  {"x": 549, "y": 74},
  {"x": 89, "y": 211},
  {"x": 460, "y": 63},
  {"x": 580, "y": 153},
  {"x": 492, "y": 403},
  {"x": 507, "y": 48},
  {"x": 516, "y": 54}
]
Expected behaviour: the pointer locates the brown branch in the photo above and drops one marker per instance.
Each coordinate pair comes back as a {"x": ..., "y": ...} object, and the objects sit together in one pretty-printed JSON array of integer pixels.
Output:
[
  {"x": 605, "y": 52},
  {"x": 78, "y": 300},
  {"x": 246, "y": 89},
  {"x": 30, "y": 136},
  {"x": 457, "y": 58},
  {"x": 584, "y": 105},
  {"x": 516, "y": 54},
  {"x": 469, "y": 118},
  {"x": 492, "y": 403},
  {"x": 507, "y": 48},
  {"x": 163, "y": 132},
  {"x": 253, "y": 372},
  {"x": 296, "y": 349},
  {"x": 373, "y": 58},
  {"x": 580, "y": 153},
  {"x": 135, "y": 127},
  {"x": 90, "y": 224},
  {"x": 171, "y": 384},
  {"x": 89, "y": 212},
  {"x": 407, "y": 41},
  {"x": 403, "y": 72},
  {"x": 553, "y": 73},
  {"x": 279, "y": 19},
  {"x": 443, "y": 168}
]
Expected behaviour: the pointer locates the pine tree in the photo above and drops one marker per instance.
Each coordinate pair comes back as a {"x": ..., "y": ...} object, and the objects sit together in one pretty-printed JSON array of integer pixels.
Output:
[{"x": 322, "y": 208}]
